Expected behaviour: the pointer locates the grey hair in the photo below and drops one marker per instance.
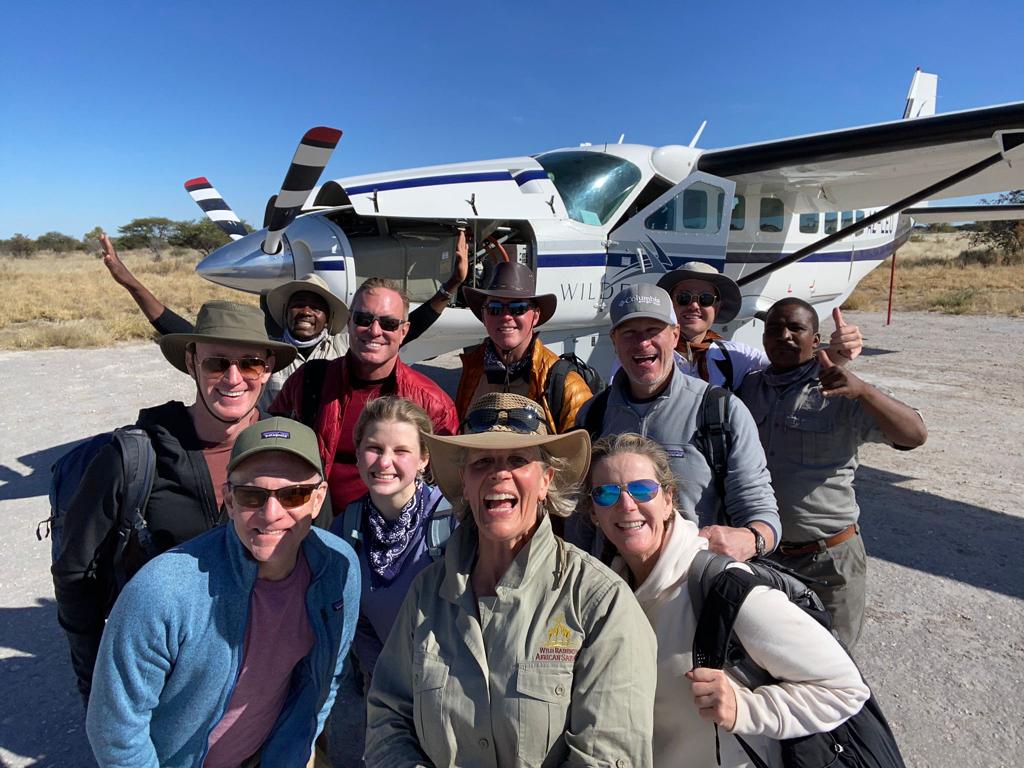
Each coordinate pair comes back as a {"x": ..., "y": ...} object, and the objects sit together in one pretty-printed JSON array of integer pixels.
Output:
[{"x": 562, "y": 495}]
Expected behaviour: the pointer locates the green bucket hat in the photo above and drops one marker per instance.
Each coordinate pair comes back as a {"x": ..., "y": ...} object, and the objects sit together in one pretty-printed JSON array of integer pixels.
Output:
[
  {"x": 227, "y": 322},
  {"x": 277, "y": 434}
]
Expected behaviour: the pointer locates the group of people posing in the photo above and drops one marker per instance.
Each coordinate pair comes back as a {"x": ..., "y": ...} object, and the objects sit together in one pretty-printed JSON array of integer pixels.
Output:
[{"x": 357, "y": 568}]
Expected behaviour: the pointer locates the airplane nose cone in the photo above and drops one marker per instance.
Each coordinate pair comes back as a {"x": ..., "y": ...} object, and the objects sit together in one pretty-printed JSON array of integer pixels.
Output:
[{"x": 242, "y": 264}]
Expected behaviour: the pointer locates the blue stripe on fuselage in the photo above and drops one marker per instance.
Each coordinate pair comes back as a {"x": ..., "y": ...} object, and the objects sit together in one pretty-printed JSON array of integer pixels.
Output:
[
  {"x": 430, "y": 181},
  {"x": 329, "y": 266}
]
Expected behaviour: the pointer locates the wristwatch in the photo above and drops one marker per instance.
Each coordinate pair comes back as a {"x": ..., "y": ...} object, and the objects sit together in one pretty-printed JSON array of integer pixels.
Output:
[{"x": 758, "y": 541}]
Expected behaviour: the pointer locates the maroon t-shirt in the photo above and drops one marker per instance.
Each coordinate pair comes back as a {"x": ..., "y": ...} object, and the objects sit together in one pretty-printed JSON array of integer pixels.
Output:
[{"x": 277, "y": 637}]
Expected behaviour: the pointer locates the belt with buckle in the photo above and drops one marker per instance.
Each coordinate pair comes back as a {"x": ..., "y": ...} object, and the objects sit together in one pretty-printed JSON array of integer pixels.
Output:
[{"x": 805, "y": 548}]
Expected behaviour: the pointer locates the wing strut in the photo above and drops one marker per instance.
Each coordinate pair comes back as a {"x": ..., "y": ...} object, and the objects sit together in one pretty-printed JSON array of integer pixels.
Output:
[{"x": 896, "y": 207}]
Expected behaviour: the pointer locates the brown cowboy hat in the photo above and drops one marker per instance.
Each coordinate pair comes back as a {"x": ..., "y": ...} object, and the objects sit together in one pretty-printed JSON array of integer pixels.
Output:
[
  {"x": 729, "y": 298},
  {"x": 511, "y": 280},
  {"x": 337, "y": 310},
  {"x": 230, "y": 323},
  {"x": 504, "y": 421}
]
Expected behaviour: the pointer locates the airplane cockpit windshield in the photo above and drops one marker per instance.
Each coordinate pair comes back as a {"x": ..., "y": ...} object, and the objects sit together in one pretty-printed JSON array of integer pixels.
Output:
[{"x": 592, "y": 185}]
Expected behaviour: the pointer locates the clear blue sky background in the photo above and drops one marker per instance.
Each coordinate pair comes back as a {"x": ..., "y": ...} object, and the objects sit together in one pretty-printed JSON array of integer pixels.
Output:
[{"x": 107, "y": 108}]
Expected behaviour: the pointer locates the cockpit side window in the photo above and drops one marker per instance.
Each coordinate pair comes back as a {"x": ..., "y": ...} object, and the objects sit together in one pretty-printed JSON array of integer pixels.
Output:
[{"x": 591, "y": 184}]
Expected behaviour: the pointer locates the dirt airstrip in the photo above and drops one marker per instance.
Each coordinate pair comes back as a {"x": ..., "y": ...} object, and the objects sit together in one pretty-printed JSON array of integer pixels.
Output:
[{"x": 944, "y": 640}]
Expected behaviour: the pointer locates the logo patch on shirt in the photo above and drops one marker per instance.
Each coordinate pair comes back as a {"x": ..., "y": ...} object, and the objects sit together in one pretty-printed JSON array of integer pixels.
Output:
[
  {"x": 275, "y": 433},
  {"x": 562, "y": 643}
]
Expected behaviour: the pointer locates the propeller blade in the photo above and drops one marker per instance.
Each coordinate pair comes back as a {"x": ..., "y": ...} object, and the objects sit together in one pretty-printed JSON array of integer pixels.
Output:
[
  {"x": 213, "y": 205},
  {"x": 310, "y": 159}
]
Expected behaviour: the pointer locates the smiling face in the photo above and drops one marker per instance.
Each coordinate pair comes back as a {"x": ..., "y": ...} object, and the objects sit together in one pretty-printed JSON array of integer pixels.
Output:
[
  {"x": 388, "y": 458},
  {"x": 306, "y": 315},
  {"x": 694, "y": 320},
  {"x": 271, "y": 533},
  {"x": 373, "y": 349},
  {"x": 228, "y": 396},
  {"x": 789, "y": 336},
  {"x": 504, "y": 488},
  {"x": 510, "y": 333},
  {"x": 644, "y": 348},
  {"x": 637, "y": 529}
]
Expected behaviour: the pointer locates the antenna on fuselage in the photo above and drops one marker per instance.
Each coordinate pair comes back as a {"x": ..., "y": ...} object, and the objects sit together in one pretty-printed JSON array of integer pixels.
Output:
[
  {"x": 696, "y": 136},
  {"x": 622, "y": 137}
]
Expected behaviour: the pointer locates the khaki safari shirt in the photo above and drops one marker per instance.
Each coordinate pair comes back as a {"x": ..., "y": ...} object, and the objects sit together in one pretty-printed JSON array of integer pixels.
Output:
[{"x": 559, "y": 669}]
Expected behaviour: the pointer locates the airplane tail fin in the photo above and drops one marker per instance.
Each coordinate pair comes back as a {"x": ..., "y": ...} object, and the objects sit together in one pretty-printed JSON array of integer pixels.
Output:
[{"x": 921, "y": 96}]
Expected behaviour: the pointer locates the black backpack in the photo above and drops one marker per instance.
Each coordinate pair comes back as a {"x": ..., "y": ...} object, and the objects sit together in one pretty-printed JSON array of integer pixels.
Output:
[
  {"x": 138, "y": 462},
  {"x": 554, "y": 387},
  {"x": 439, "y": 529},
  {"x": 717, "y": 593}
]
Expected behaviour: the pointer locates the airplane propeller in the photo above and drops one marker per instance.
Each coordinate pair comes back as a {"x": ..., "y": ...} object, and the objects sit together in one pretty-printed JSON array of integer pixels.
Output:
[
  {"x": 311, "y": 157},
  {"x": 215, "y": 207}
]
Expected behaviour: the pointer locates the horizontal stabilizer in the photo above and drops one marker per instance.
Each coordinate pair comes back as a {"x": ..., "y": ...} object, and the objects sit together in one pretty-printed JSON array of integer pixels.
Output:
[{"x": 951, "y": 213}]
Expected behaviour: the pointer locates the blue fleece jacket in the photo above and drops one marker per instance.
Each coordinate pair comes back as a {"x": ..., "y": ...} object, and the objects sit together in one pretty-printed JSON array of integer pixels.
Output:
[{"x": 173, "y": 645}]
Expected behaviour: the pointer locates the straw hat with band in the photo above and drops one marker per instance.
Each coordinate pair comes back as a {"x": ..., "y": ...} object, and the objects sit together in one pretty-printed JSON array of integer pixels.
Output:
[
  {"x": 504, "y": 421},
  {"x": 277, "y": 302},
  {"x": 512, "y": 280},
  {"x": 729, "y": 298},
  {"x": 226, "y": 322}
]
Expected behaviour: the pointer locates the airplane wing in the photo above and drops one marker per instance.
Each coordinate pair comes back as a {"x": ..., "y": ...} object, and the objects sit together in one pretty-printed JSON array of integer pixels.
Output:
[
  {"x": 862, "y": 167},
  {"x": 939, "y": 214}
]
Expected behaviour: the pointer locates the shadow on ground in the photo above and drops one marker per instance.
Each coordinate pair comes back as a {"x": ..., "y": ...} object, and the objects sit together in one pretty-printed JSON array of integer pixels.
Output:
[
  {"x": 42, "y": 715},
  {"x": 14, "y": 485},
  {"x": 919, "y": 530}
]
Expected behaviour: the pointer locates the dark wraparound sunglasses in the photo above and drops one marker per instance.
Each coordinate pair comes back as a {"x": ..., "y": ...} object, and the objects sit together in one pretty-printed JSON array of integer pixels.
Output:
[
  {"x": 250, "y": 367},
  {"x": 524, "y": 420},
  {"x": 290, "y": 497},
  {"x": 514, "y": 308},
  {"x": 640, "y": 490},
  {"x": 387, "y": 323},
  {"x": 704, "y": 298}
]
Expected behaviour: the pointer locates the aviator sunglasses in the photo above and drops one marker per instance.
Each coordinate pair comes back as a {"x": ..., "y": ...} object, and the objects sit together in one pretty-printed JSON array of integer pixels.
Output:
[
  {"x": 250, "y": 367},
  {"x": 704, "y": 298},
  {"x": 523, "y": 420},
  {"x": 514, "y": 308},
  {"x": 365, "y": 320},
  {"x": 640, "y": 490},
  {"x": 290, "y": 497}
]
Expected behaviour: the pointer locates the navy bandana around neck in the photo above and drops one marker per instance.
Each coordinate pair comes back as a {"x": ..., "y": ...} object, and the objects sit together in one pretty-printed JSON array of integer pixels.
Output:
[{"x": 389, "y": 542}]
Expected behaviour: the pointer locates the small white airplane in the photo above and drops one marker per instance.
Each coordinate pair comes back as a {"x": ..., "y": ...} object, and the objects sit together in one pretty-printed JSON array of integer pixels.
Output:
[{"x": 808, "y": 216}]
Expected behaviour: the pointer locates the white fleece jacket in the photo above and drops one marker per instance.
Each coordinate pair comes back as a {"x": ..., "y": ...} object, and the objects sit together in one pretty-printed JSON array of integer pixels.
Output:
[{"x": 822, "y": 685}]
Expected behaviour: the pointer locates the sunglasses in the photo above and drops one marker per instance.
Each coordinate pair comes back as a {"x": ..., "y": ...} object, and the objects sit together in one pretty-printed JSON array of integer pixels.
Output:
[
  {"x": 250, "y": 367},
  {"x": 640, "y": 490},
  {"x": 523, "y": 420},
  {"x": 387, "y": 323},
  {"x": 704, "y": 298},
  {"x": 290, "y": 497},
  {"x": 514, "y": 308}
]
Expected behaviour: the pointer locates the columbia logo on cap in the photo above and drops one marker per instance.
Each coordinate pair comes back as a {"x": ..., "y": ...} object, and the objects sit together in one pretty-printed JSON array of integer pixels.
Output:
[{"x": 275, "y": 433}]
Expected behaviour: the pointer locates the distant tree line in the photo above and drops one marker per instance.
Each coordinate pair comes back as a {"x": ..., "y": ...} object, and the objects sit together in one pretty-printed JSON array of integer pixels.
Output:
[{"x": 154, "y": 233}]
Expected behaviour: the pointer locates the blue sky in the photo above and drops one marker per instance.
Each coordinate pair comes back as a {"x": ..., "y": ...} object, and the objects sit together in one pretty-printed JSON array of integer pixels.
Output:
[{"x": 109, "y": 107}]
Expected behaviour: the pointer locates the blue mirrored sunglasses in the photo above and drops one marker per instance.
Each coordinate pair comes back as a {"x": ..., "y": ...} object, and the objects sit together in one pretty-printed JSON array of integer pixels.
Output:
[{"x": 640, "y": 490}]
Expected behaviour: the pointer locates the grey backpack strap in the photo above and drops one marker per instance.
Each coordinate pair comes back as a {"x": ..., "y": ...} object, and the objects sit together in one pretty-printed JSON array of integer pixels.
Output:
[
  {"x": 704, "y": 569},
  {"x": 439, "y": 529},
  {"x": 351, "y": 524}
]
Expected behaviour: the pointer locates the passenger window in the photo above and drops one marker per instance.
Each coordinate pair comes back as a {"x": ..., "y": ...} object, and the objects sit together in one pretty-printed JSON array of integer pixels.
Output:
[
  {"x": 771, "y": 214},
  {"x": 688, "y": 211},
  {"x": 860, "y": 217},
  {"x": 739, "y": 213},
  {"x": 831, "y": 223},
  {"x": 847, "y": 218},
  {"x": 809, "y": 223},
  {"x": 695, "y": 209}
]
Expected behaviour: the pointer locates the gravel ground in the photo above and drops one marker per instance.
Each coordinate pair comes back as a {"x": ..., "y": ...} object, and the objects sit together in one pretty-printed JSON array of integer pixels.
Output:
[{"x": 943, "y": 644}]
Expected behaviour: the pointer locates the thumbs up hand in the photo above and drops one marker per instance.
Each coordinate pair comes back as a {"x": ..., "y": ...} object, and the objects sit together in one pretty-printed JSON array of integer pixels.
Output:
[
  {"x": 836, "y": 380},
  {"x": 846, "y": 342}
]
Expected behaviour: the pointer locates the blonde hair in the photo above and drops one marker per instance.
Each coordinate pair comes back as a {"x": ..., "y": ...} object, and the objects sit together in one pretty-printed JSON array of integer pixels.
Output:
[
  {"x": 389, "y": 408},
  {"x": 384, "y": 283},
  {"x": 630, "y": 442}
]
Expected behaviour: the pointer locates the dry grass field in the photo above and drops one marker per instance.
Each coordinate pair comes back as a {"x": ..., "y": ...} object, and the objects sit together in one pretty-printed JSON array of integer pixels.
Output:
[
  {"x": 931, "y": 276},
  {"x": 71, "y": 301}
]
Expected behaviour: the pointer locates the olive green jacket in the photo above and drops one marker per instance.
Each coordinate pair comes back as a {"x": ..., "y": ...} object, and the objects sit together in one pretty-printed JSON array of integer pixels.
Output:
[{"x": 558, "y": 670}]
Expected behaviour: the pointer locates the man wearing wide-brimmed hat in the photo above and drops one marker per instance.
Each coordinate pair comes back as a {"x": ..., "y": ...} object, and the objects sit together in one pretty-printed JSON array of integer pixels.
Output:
[
  {"x": 229, "y": 358},
  {"x": 541, "y": 652},
  {"x": 512, "y": 357},
  {"x": 701, "y": 297}
]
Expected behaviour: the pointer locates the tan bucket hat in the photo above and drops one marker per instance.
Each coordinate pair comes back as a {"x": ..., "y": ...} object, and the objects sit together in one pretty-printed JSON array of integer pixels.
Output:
[
  {"x": 227, "y": 322},
  {"x": 503, "y": 421},
  {"x": 277, "y": 302},
  {"x": 729, "y": 298},
  {"x": 511, "y": 280}
]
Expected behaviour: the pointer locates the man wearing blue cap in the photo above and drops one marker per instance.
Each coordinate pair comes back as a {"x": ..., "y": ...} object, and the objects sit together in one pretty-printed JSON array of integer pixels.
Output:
[{"x": 227, "y": 650}]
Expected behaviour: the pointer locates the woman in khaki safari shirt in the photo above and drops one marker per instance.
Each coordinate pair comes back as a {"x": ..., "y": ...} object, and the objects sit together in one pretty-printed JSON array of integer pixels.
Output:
[{"x": 516, "y": 649}]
